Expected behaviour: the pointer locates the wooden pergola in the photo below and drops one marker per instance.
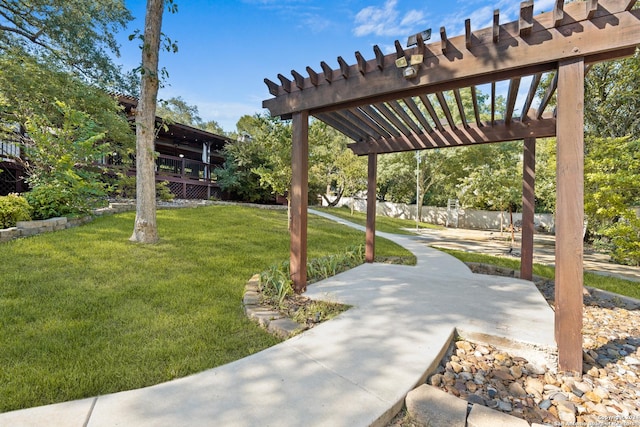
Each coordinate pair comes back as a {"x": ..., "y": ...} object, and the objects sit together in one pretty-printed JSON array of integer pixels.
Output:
[{"x": 386, "y": 104}]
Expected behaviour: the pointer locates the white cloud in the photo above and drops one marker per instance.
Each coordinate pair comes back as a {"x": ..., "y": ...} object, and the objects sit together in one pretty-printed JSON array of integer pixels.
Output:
[
  {"x": 387, "y": 20},
  {"x": 482, "y": 16}
]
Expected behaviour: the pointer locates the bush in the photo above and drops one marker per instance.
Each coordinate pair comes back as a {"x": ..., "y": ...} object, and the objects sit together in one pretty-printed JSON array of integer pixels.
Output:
[
  {"x": 163, "y": 192},
  {"x": 125, "y": 187},
  {"x": 13, "y": 208},
  {"x": 57, "y": 199},
  {"x": 276, "y": 284},
  {"x": 62, "y": 174},
  {"x": 625, "y": 239}
]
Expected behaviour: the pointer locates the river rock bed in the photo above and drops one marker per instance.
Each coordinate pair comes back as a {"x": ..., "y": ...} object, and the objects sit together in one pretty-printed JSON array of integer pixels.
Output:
[{"x": 607, "y": 394}]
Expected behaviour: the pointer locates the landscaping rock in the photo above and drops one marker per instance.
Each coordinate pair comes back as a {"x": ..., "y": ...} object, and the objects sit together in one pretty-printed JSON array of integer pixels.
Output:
[
  {"x": 481, "y": 416},
  {"x": 430, "y": 406},
  {"x": 609, "y": 386}
]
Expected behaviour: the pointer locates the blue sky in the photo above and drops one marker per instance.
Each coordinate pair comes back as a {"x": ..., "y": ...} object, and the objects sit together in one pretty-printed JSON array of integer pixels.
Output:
[{"x": 227, "y": 48}]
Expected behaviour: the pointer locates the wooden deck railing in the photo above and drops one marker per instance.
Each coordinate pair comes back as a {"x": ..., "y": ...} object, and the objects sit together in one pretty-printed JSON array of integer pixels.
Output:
[{"x": 187, "y": 178}]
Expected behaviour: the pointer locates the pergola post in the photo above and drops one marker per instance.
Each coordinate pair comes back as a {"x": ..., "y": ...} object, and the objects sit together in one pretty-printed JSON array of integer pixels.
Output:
[
  {"x": 569, "y": 214},
  {"x": 299, "y": 200},
  {"x": 528, "y": 208},
  {"x": 370, "y": 248}
]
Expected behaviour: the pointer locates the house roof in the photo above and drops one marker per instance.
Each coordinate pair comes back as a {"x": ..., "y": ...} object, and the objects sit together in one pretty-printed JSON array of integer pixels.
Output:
[{"x": 178, "y": 133}]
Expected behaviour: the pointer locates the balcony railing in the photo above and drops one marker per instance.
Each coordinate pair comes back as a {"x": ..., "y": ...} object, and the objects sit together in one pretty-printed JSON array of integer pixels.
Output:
[
  {"x": 182, "y": 167},
  {"x": 9, "y": 152},
  {"x": 170, "y": 166},
  {"x": 187, "y": 178}
]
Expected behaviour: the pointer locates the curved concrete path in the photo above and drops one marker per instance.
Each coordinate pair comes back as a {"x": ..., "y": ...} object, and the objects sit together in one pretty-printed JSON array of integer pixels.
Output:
[{"x": 354, "y": 370}]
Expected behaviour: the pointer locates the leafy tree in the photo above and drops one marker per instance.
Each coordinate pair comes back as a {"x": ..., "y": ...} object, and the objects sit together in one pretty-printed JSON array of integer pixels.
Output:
[
  {"x": 612, "y": 98},
  {"x": 213, "y": 127},
  {"x": 612, "y": 190},
  {"x": 61, "y": 164},
  {"x": 275, "y": 171},
  {"x": 493, "y": 176},
  {"x": 29, "y": 89},
  {"x": 258, "y": 166},
  {"x": 333, "y": 167},
  {"x": 545, "y": 191},
  {"x": 57, "y": 53},
  {"x": 237, "y": 176},
  {"x": 75, "y": 35},
  {"x": 625, "y": 238},
  {"x": 410, "y": 176},
  {"x": 177, "y": 110},
  {"x": 611, "y": 179},
  {"x": 396, "y": 177}
]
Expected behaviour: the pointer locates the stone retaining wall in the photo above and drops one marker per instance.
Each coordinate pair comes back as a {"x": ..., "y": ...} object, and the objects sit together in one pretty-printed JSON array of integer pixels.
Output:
[{"x": 31, "y": 228}]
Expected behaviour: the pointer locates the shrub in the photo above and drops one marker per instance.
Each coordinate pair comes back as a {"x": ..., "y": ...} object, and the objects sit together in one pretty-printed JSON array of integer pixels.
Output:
[
  {"x": 61, "y": 171},
  {"x": 163, "y": 192},
  {"x": 625, "y": 239},
  {"x": 56, "y": 198},
  {"x": 125, "y": 187},
  {"x": 13, "y": 208},
  {"x": 276, "y": 282}
]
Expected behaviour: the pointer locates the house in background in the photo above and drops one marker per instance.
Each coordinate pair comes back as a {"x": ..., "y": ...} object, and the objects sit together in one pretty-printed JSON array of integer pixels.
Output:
[
  {"x": 187, "y": 160},
  {"x": 188, "y": 156},
  {"x": 11, "y": 171}
]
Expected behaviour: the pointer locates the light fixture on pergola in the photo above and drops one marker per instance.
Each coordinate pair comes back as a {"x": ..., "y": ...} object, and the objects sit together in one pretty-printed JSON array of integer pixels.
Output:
[{"x": 397, "y": 102}]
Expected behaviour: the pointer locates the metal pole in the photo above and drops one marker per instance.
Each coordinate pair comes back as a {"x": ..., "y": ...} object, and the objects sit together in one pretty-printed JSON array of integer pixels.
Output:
[{"x": 417, "y": 189}]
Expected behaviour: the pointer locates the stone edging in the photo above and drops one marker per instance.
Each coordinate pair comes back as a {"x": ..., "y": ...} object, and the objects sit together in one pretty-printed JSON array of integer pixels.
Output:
[
  {"x": 272, "y": 320},
  {"x": 31, "y": 228},
  {"x": 431, "y": 405},
  {"x": 428, "y": 405}
]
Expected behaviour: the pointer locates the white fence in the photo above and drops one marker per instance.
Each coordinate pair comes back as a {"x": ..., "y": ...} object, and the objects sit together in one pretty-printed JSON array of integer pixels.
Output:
[{"x": 466, "y": 218}]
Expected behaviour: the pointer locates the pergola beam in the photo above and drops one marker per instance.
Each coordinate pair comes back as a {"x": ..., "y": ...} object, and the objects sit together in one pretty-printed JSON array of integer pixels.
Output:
[
  {"x": 528, "y": 208},
  {"x": 299, "y": 200},
  {"x": 611, "y": 29},
  {"x": 570, "y": 215},
  {"x": 460, "y": 136}
]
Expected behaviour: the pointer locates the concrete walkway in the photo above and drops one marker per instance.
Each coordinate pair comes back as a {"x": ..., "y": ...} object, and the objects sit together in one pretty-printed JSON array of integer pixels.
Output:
[
  {"x": 496, "y": 243},
  {"x": 354, "y": 370}
]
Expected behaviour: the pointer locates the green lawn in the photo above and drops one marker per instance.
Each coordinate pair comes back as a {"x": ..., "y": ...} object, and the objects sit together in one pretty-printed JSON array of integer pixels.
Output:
[
  {"x": 85, "y": 312},
  {"x": 607, "y": 283},
  {"x": 400, "y": 226},
  {"x": 383, "y": 223}
]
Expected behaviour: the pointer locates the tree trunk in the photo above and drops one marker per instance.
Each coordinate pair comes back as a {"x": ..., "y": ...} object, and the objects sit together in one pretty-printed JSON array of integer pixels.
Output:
[{"x": 145, "y": 229}]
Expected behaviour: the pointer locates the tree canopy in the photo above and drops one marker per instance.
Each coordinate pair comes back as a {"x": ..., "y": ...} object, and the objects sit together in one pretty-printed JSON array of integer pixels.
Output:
[
  {"x": 258, "y": 166},
  {"x": 75, "y": 35},
  {"x": 177, "y": 110}
]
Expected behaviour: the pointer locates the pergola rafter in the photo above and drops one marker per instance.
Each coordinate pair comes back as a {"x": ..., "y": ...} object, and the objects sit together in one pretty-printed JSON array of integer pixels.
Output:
[
  {"x": 526, "y": 48},
  {"x": 412, "y": 100}
]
